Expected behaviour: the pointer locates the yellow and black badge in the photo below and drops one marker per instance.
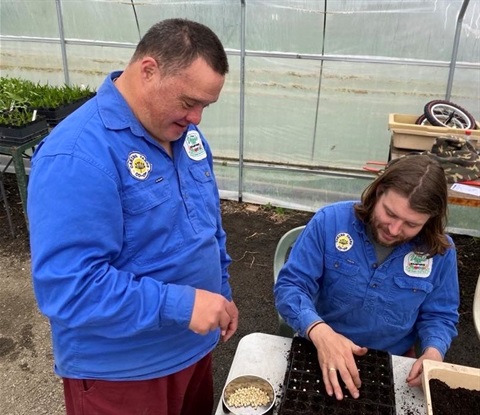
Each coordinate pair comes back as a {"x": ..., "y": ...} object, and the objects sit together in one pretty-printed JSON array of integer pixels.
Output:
[
  {"x": 138, "y": 166},
  {"x": 343, "y": 242}
]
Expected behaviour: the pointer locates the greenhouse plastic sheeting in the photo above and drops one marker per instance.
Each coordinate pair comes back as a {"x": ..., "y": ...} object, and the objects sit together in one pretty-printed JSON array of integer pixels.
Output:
[{"x": 310, "y": 87}]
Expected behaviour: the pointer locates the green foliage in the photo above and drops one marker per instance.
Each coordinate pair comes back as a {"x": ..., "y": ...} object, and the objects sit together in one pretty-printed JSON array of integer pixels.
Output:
[
  {"x": 51, "y": 97},
  {"x": 14, "y": 102},
  {"x": 268, "y": 207},
  {"x": 16, "y": 117},
  {"x": 14, "y": 93},
  {"x": 20, "y": 97},
  {"x": 276, "y": 209}
]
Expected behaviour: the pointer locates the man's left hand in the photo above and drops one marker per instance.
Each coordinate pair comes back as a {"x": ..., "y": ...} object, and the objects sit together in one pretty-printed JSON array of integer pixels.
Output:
[
  {"x": 414, "y": 378},
  {"x": 233, "y": 325}
]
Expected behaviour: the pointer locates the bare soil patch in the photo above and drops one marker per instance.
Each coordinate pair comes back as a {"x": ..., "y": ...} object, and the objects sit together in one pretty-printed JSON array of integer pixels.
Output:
[{"x": 27, "y": 383}]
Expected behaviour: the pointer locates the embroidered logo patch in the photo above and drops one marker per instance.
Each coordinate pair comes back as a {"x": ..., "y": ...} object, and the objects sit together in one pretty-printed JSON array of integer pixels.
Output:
[
  {"x": 138, "y": 166},
  {"x": 193, "y": 146},
  {"x": 416, "y": 265},
  {"x": 343, "y": 242}
]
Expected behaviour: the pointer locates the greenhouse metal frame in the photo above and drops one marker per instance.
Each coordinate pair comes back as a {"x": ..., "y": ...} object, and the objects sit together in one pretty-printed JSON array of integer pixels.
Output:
[{"x": 304, "y": 75}]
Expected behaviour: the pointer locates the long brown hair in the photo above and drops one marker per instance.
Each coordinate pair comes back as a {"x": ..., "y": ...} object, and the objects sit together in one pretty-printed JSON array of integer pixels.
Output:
[
  {"x": 176, "y": 43},
  {"x": 422, "y": 181}
]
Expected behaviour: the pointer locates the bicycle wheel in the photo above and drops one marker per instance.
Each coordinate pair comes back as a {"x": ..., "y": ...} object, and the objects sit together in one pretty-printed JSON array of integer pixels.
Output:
[
  {"x": 422, "y": 120},
  {"x": 447, "y": 114}
]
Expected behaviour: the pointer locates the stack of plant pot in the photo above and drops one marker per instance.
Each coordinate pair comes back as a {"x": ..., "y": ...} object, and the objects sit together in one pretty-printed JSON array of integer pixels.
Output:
[{"x": 28, "y": 109}]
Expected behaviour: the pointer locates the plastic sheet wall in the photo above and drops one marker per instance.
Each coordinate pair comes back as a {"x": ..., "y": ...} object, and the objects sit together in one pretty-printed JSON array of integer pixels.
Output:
[{"x": 311, "y": 83}]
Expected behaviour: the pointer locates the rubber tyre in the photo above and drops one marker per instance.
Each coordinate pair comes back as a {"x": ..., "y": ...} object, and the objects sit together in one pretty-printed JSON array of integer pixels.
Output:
[
  {"x": 443, "y": 113},
  {"x": 422, "y": 120}
]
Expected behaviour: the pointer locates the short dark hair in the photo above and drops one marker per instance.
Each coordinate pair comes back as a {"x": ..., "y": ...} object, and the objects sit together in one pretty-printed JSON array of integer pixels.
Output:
[
  {"x": 420, "y": 179},
  {"x": 176, "y": 43}
]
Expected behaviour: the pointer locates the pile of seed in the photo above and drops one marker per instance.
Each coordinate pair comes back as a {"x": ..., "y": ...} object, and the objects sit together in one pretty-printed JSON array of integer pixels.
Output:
[{"x": 249, "y": 396}]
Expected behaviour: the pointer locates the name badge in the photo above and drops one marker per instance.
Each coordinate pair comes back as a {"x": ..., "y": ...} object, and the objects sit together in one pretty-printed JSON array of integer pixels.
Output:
[{"x": 415, "y": 265}]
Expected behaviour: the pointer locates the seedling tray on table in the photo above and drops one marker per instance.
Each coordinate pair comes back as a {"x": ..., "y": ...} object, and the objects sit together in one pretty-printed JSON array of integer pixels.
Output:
[{"x": 304, "y": 390}]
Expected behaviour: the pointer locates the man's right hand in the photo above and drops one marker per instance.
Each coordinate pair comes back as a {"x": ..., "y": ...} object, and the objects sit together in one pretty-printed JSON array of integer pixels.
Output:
[
  {"x": 210, "y": 311},
  {"x": 336, "y": 356}
]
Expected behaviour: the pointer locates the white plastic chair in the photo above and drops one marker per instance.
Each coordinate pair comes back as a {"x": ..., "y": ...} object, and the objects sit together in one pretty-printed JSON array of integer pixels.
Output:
[
  {"x": 476, "y": 308},
  {"x": 281, "y": 255}
]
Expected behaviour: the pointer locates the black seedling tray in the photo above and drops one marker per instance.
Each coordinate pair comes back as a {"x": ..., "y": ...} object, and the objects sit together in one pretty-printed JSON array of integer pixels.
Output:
[
  {"x": 55, "y": 115},
  {"x": 12, "y": 135},
  {"x": 304, "y": 390}
]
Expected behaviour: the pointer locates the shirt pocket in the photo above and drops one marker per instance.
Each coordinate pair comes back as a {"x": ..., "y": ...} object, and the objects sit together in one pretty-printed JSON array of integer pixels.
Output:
[
  {"x": 205, "y": 184},
  {"x": 151, "y": 230},
  {"x": 339, "y": 281},
  {"x": 143, "y": 196},
  {"x": 405, "y": 297}
]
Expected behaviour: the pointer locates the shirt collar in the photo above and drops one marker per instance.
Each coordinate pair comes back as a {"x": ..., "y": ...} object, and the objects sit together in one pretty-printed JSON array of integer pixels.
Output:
[{"x": 114, "y": 110}]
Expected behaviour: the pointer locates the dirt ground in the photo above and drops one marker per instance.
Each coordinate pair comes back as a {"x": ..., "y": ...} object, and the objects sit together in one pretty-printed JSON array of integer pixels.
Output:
[{"x": 27, "y": 383}]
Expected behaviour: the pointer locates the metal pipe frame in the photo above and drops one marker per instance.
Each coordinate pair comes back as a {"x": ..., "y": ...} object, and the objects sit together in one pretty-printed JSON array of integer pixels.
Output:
[
  {"x": 456, "y": 42},
  {"x": 243, "y": 54}
]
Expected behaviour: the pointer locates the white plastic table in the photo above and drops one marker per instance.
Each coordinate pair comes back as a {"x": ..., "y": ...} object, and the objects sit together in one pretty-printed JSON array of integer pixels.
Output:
[{"x": 266, "y": 355}]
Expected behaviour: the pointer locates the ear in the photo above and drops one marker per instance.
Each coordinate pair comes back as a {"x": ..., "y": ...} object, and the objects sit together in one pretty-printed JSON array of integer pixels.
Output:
[{"x": 148, "y": 68}]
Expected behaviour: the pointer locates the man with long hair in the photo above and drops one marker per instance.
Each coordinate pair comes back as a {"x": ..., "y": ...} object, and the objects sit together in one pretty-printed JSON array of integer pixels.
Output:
[
  {"x": 129, "y": 257},
  {"x": 380, "y": 273}
]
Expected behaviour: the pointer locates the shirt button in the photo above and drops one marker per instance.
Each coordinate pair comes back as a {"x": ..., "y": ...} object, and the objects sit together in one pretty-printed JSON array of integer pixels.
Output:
[
  {"x": 374, "y": 285},
  {"x": 207, "y": 173},
  {"x": 375, "y": 266}
]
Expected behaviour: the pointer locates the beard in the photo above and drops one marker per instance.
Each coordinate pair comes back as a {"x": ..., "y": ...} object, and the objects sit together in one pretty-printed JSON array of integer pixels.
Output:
[{"x": 378, "y": 229}]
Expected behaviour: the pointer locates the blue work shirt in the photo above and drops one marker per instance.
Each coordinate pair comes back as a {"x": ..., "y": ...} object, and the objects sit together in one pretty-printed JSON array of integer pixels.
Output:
[
  {"x": 332, "y": 275},
  {"x": 121, "y": 236}
]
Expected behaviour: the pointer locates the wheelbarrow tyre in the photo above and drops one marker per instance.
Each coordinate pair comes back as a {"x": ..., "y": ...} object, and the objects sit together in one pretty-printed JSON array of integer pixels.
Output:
[{"x": 444, "y": 113}]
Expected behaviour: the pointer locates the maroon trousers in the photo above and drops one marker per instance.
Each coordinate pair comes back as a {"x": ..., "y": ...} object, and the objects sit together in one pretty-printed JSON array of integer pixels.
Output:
[{"x": 188, "y": 392}]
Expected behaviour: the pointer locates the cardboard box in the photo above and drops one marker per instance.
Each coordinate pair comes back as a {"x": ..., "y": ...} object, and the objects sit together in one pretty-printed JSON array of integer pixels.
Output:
[
  {"x": 408, "y": 135},
  {"x": 455, "y": 376}
]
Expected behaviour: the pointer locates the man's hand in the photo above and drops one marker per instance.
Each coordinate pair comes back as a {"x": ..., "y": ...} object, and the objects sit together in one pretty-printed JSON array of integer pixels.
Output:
[
  {"x": 335, "y": 355},
  {"x": 414, "y": 378},
  {"x": 212, "y": 311},
  {"x": 233, "y": 325}
]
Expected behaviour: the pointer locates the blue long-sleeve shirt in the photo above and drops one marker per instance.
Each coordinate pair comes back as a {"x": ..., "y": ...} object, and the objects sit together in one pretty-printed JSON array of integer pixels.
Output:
[
  {"x": 332, "y": 274},
  {"x": 121, "y": 236}
]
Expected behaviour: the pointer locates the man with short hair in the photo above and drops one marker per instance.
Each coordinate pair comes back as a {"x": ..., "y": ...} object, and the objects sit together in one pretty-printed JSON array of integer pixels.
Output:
[
  {"x": 380, "y": 273},
  {"x": 129, "y": 257}
]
